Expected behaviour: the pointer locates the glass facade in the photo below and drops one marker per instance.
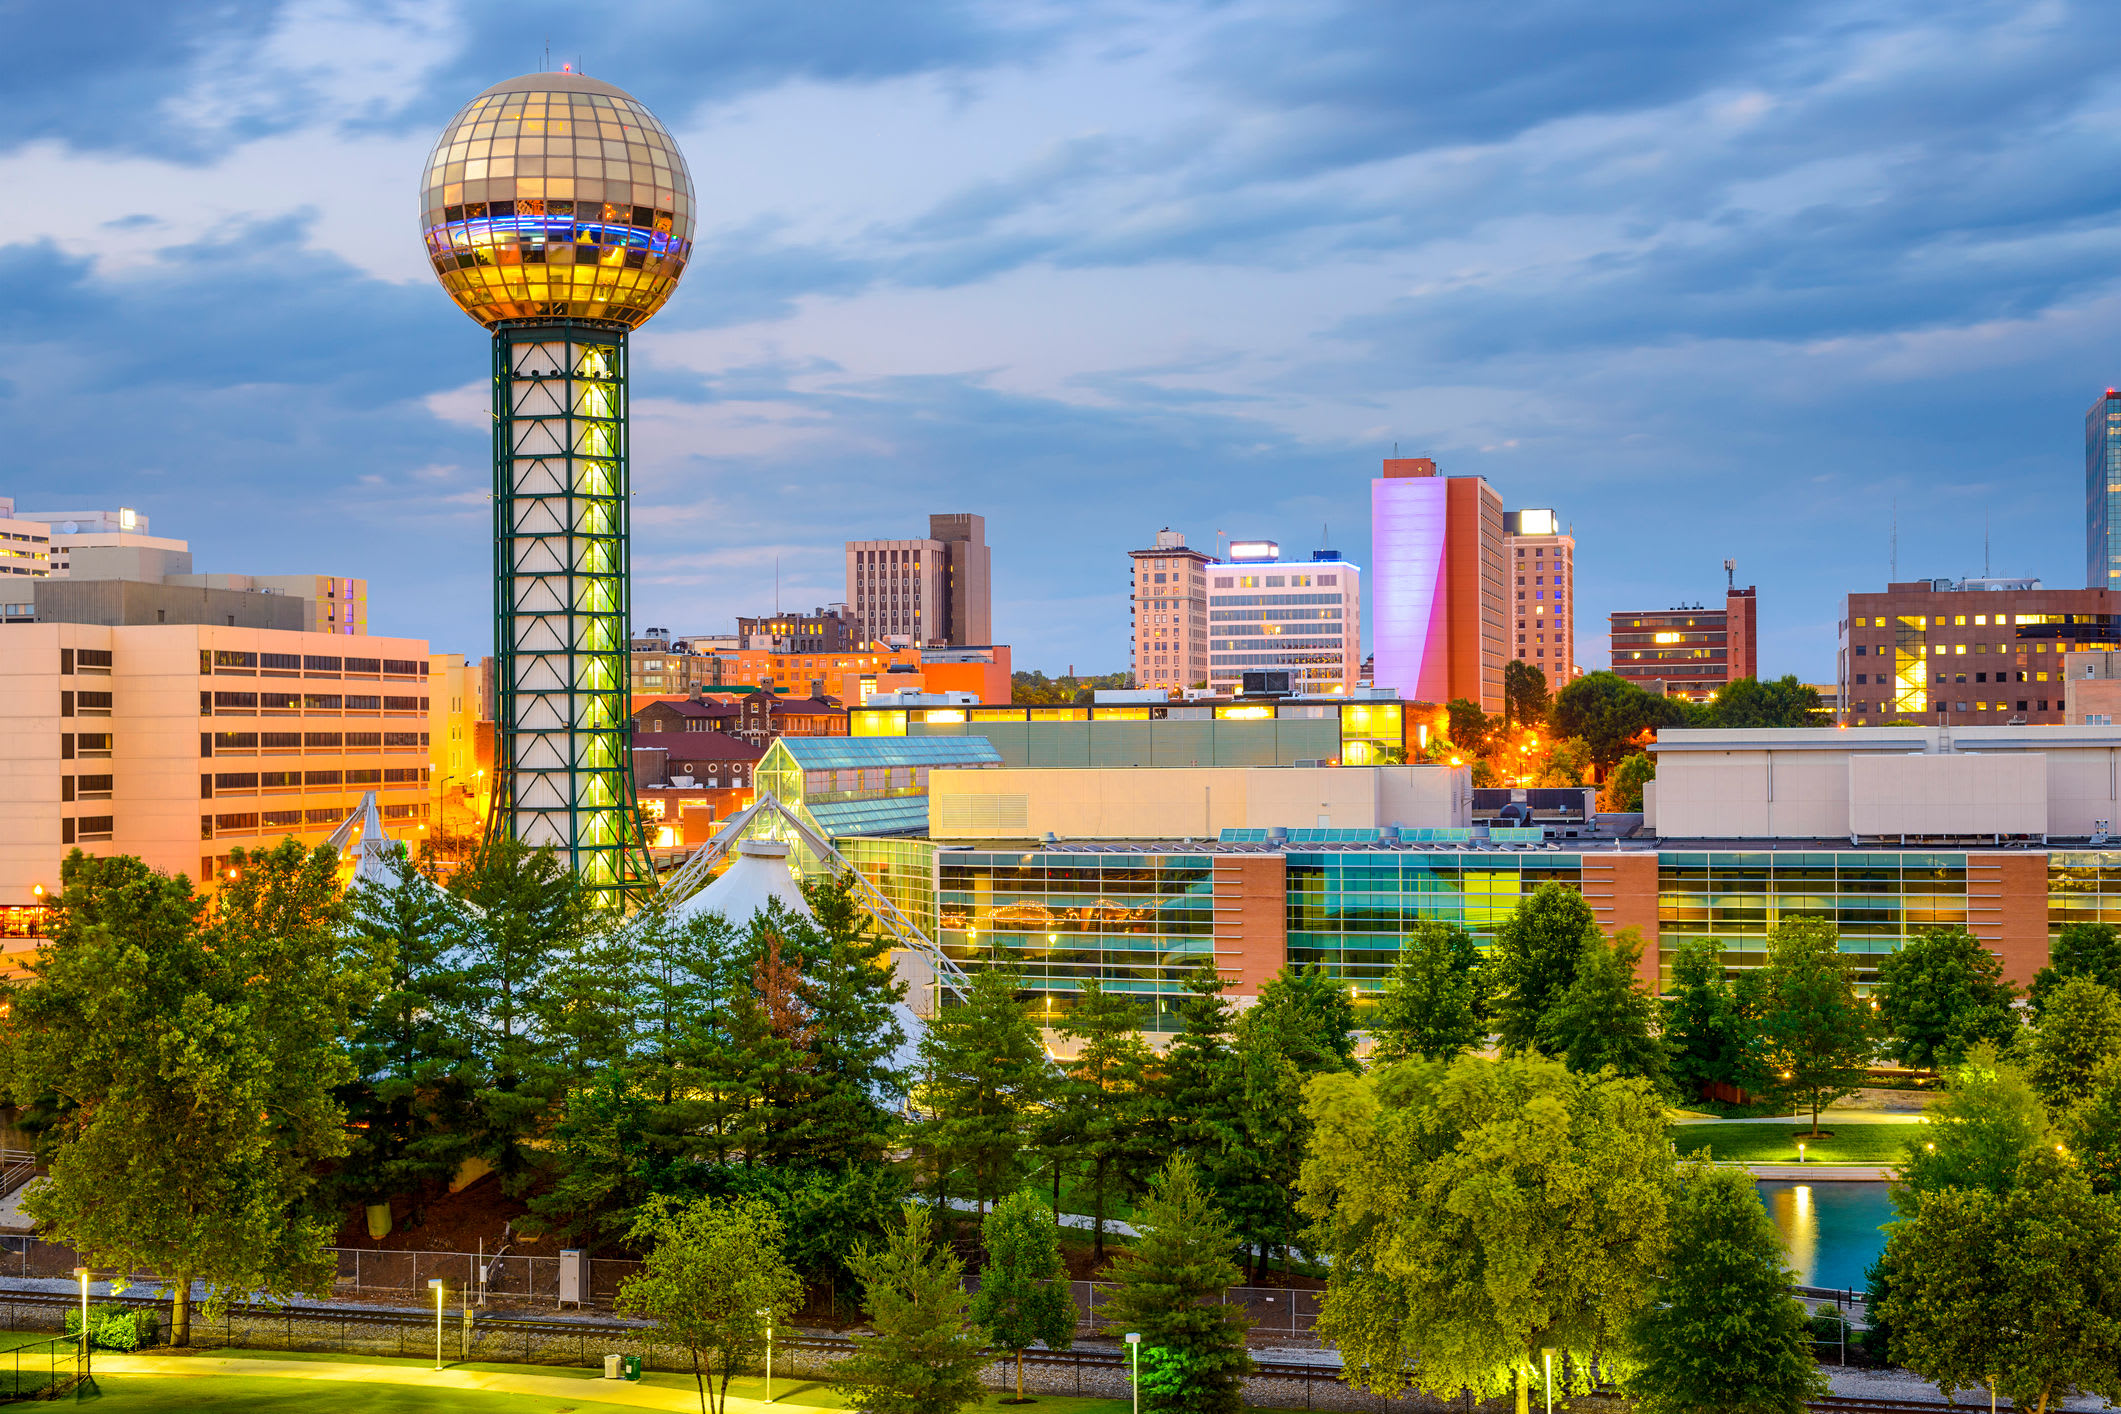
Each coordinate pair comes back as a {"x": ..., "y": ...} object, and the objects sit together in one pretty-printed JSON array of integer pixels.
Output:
[
  {"x": 2102, "y": 493},
  {"x": 2083, "y": 886},
  {"x": 903, "y": 871},
  {"x": 1877, "y": 899},
  {"x": 1348, "y": 910},
  {"x": 556, "y": 196},
  {"x": 1137, "y": 922}
]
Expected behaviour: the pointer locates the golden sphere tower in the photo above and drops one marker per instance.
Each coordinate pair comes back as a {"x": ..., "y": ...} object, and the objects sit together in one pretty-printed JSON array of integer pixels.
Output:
[{"x": 558, "y": 214}]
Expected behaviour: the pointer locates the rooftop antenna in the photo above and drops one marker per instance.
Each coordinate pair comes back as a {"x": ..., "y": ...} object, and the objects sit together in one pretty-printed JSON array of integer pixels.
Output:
[
  {"x": 1325, "y": 536},
  {"x": 1984, "y": 542},
  {"x": 776, "y": 586},
  {"x": 1730, "y": 574},
  {"x": 548, "y": 55},
  {"x": 1893, "y": 545}
]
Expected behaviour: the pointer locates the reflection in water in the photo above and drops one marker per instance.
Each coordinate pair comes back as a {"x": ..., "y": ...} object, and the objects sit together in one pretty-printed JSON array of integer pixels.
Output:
[{"x": 1831, "y": 1230}]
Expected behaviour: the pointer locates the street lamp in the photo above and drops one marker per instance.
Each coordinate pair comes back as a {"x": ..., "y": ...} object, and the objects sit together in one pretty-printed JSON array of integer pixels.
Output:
[
  {"x": 1546, "y": 1354},
  {"x": 768, "y": 1314},
  {"x": 1134, "y": 1353},
  {"x": 82, "y": 1272},
  {"x": 435, "y": 1285},
  {"x": 1800, "y": 1151}
]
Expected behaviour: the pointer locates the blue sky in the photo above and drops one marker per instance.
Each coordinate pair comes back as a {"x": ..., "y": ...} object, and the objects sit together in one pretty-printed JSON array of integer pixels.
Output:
[{"x": 1711, "y": 280}]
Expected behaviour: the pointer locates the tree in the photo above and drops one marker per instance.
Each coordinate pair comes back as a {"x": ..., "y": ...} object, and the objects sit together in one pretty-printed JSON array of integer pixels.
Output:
[
  {"x": 1708, "y": 1032},
  {"x": 2020, "y": 1288},
  {"x": 714, "y": 1282},
  {"x": 2091, "y": 1129},
  {"x": 1623, "y": 788},
  {"x": 1941, "y": 994},
  {"x": 1607, "y": 1018},
  {"x": 1981, "y": 1129},
  {"x": 1261, "y": 1132},
  {"x": 853, "y": 995},
  {"x": 1524, "y": 694},
  {"x": 983, "y": 1072},
  {"x": 1478, "y": 1212},
  {"x": 1188, "y": 1090},
  {"x": 1568, "y": 764},
  {"x": 1721, "y": 1333},
  {"x": 2078, "y": 1030},
  {"x": 1023, "y": 1289},
  {"x": 1815, "y": 1031},
  {"x": 1312, "y": 1015},
  {"x": 1779, "y": 702},
  {"x": 1611, "y": 715},
  {"x": 1469, "y": 727},
  {"x": 1100, "y": 1106},
  {"x": 1534, "y": 961},
  {"x": 1167, "y": 1287},
  {"x": 924, "y": 1356},
  {"x": 1430, "y": 1006},
  {"x": 189, "y": 1053},
  {"x": 2081, "y": 950}
]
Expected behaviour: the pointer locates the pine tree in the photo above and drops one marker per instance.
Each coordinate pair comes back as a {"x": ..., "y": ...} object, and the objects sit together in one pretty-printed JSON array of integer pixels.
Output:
[
  {"x": 1607, "y": 1017},
  {"x": 1251, "y": 1174},
  {"x": 983, "y": 1076},
  {"x": 1430, "y": 1005},
  {"x": 1721, "y": 1333},
  {"x": 853, "y": 994},
  {"x": 1167, "y": 1287},
  {"x": 925, "y": 1355},
  {"x": 1186, "y": 1088},
  {"x": 1534, "y": 960},
  {"x": 1100, "y": 1107},
  {"x": 1023, "y": 1288}
]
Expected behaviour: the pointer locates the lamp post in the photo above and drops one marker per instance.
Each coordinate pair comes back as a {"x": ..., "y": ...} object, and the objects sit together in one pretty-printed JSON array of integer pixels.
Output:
[
  {"x": 435, "y": 1285},
  {"x": 1800, "y": 1151},
  {"x": 82, "y": 1272},
  {"x": 1134, "y": 1355},
  {"x": 768, "y": 1314},
  {"x": 1546, "y": 1356}
]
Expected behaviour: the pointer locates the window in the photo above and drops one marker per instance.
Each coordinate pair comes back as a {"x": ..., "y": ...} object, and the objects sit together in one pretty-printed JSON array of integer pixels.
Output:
[
  {"x": 364, "y": 704},
  {"x": 320, "y": 778},
  {"x": 92, "y": 744},
  {"x": 235, "y": 780},
  {"x": 313, "y": 664},
  {"x": 322, "y": 702},
  {"x": 364, "y": 778},
  {"x": 279, "y": 780},
  {"x": 93, "y": 827},
  {"x": 247, "y": 821},
  {"x": 93, "y": 787},
  {"x": 235, "y": 741},
  {"x": 364, "y": 665},
  {"x": 283, "y": 819},
  {"x": 281, "y": 662},
  {"x": 93, "y": 704},
  {"x": 235, "y": 702},
  {"x": 321, "y": 741},
  {"x": 226, "y": 659},
  {"x": 90, "y": 659},
  {"x": 280, "y": 701}
]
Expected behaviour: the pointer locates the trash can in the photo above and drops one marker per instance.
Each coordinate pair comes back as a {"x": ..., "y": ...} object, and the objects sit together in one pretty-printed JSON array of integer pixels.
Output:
[
  {"x": 630, "y": 1366},
  {"x": 611, "y": 1366}
]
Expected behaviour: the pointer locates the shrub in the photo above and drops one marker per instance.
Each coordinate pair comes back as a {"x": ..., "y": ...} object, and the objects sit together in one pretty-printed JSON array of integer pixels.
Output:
[{"x": 115, "y": 1327}]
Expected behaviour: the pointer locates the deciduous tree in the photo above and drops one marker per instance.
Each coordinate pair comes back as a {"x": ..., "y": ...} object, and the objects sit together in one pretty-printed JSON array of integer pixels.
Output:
[
  {"x": 1524, "y": 694},
  {"x": 1607, "y": 1017},
  {"x": 1534, "y": 961},
  {"x": 1721, "y": 1333},
  {"x": 1611, "y": 715},
  {"x": 924, "y": 1355},
  {"x": 1430, "y": 1006},
  {"x": 1166, "y": 1287},
  {"x": 1981, "y": 1129},
  {"x": 714, "y": 1282},
  {"x": 1477, "y": 1213},
  {"x": 1623, "y": 788},
  {"x": 1023, "y": 1288},
  {"x": 2078, "y": 1030},
  {"x": 1312, "y": 1015},
  {"x": 1709, "y": 1030},
  {"x": 2081, "y": 950},
  {"x": 1940, "y": 995},
  {"x": 1815, "y": 1031}
]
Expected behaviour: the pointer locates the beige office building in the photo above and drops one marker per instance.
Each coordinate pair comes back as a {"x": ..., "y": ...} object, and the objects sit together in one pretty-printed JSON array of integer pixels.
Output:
[
  {"x": 1169, "y": 595},
  {"x": 1540, "y": 560},
  {"x": 937, "y": 590},
  {"x": 178, "y": 742}
]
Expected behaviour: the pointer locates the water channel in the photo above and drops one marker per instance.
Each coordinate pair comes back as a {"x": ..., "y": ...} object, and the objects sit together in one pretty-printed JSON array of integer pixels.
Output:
[{"x": 1831, "y": 1229}]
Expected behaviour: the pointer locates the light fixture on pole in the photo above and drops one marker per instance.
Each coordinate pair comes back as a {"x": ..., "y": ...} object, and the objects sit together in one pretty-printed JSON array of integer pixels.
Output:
[
  {"x": 435, "y": 1285},
  {"x": 82, "y": 1272},
  {"x": 768, "y": 1314},
  {"x": 1546, "y": 1355},
  {"x": 1134, "y": 1353}
]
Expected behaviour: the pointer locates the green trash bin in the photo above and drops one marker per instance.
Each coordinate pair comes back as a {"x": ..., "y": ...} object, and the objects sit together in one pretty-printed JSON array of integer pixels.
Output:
[{"x": 629, "y": 1367}]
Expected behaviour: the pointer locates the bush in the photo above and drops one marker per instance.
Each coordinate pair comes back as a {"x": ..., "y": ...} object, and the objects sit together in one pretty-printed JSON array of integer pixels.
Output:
[{"x": 115, "y": 1327}]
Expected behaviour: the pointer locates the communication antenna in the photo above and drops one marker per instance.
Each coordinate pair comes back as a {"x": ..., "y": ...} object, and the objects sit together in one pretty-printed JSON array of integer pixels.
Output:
[
  {"x": 1730, "y": 574},
  {"x": 1893, "y": 544},
  {"x": 776, "y": 586},
  {"x": 1984, "y": 542},
  {"x": 548, "y": 55}
]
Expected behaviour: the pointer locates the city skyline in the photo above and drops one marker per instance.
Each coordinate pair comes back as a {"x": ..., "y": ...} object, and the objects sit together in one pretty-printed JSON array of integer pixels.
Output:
[{"x": 1720, "y": 329}]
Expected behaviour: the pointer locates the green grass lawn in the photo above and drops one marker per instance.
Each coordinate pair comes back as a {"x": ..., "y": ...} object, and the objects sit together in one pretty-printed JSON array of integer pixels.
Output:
[{"x": 1777, "y": 1144}]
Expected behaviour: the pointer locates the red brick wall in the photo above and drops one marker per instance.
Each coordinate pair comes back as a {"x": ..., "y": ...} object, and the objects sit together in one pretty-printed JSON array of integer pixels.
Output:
[
  {"x": 1251, "y": 919},
  {"x": 2006, "y": 901},
  {"x": 1622, "y": 891}
]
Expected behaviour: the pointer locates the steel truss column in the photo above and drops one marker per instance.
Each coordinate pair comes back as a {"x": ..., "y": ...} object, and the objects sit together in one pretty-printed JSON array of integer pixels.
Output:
[{"x": 563, "y": 729}]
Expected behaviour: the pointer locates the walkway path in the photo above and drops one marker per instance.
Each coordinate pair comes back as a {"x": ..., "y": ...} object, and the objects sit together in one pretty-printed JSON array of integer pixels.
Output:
[
  {"x": 614, "y": 1392},
  {"x": 1826, "y": 1118}
]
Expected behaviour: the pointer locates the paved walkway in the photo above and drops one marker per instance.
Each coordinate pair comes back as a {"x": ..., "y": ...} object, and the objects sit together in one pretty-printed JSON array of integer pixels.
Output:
[
  {"x": 1828, "y": 1119},
  {"x": 1824, "y": 1173},
  {"x": 613, "y": 1392}
]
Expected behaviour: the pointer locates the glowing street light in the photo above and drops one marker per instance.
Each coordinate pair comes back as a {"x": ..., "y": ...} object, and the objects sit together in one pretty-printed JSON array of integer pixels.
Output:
[
  {"x": 768, "y": 1314},
  {"x": 1546, "y": 1353},
  {"x": 435, "y": 1285},
  {"x": 1134, "y": 1353},
  {"x": 82, "y": 1272}
]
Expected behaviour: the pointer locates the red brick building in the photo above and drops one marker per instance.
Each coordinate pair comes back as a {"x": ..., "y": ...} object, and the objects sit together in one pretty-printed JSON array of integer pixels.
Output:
[
  {"x": 1944, "y": 652},
  {"x": 1689, "y": 652}
]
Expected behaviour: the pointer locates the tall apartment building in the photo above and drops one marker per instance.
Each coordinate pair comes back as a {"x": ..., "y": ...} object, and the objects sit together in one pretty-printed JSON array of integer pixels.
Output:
[
  {"x": 1304, "y": 616},
  {"x": 1942, "y": 652},
  {"x": 1541, "y": 560},
  {"x": 1168, "y": 590},
  {"x": 176, "y": 742},
  {"x": 1439, "y": 599},
  {"x": 1690, "y": 651},
  {"x": 937, "y": 590},
  {"x": 2102, "y": 492}
]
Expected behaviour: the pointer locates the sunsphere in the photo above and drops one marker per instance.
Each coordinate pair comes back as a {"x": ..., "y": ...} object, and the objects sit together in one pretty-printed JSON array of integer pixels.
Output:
[
  {"x": 557, "y": 196},
  {"x": 558, "y": 214}
]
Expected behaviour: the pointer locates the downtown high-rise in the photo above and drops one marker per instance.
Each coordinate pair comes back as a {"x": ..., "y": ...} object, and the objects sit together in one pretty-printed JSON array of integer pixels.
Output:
[
  {"x": 2102, "y": 492},
  {"x": 1439, "y": 611}
]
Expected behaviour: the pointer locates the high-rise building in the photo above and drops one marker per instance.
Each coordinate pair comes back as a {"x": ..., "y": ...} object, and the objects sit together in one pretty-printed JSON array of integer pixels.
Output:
[
  {"x": 1690, "y": 651},
  {"x": 175, "y": 742},
  {"x": 1943, "y": 652},
  {"x": 1301, "y": 616},
  {"x": 558, "y": 214},
  {"x": 1169, "y": 594},
  {"x": 932, "y": 591},
  {"x": 1541, "y": 560},
  {"x": 2102, "y": 492},
  {"x": 1439, "y": 605}
]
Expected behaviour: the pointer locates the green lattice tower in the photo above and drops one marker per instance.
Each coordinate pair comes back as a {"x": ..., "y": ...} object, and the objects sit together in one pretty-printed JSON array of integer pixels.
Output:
[{"x": 563, "y": 732}]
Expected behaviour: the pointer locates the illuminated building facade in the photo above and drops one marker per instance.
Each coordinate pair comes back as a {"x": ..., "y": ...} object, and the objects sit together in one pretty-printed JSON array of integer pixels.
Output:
[
  {"x": 1541, "y": 559},
  {"x": 1302, "y": 617},
  {"x": 558, "y": 213},
  {"x": 1688, "y": 652},
  {"x": 1439, "y": 605},
  {"x": 2102, "y": 492},
  {"x": 1974, "y": 651},
  {"x": 1168, "y": 590},
  {"x": 936, "y": 590}
]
